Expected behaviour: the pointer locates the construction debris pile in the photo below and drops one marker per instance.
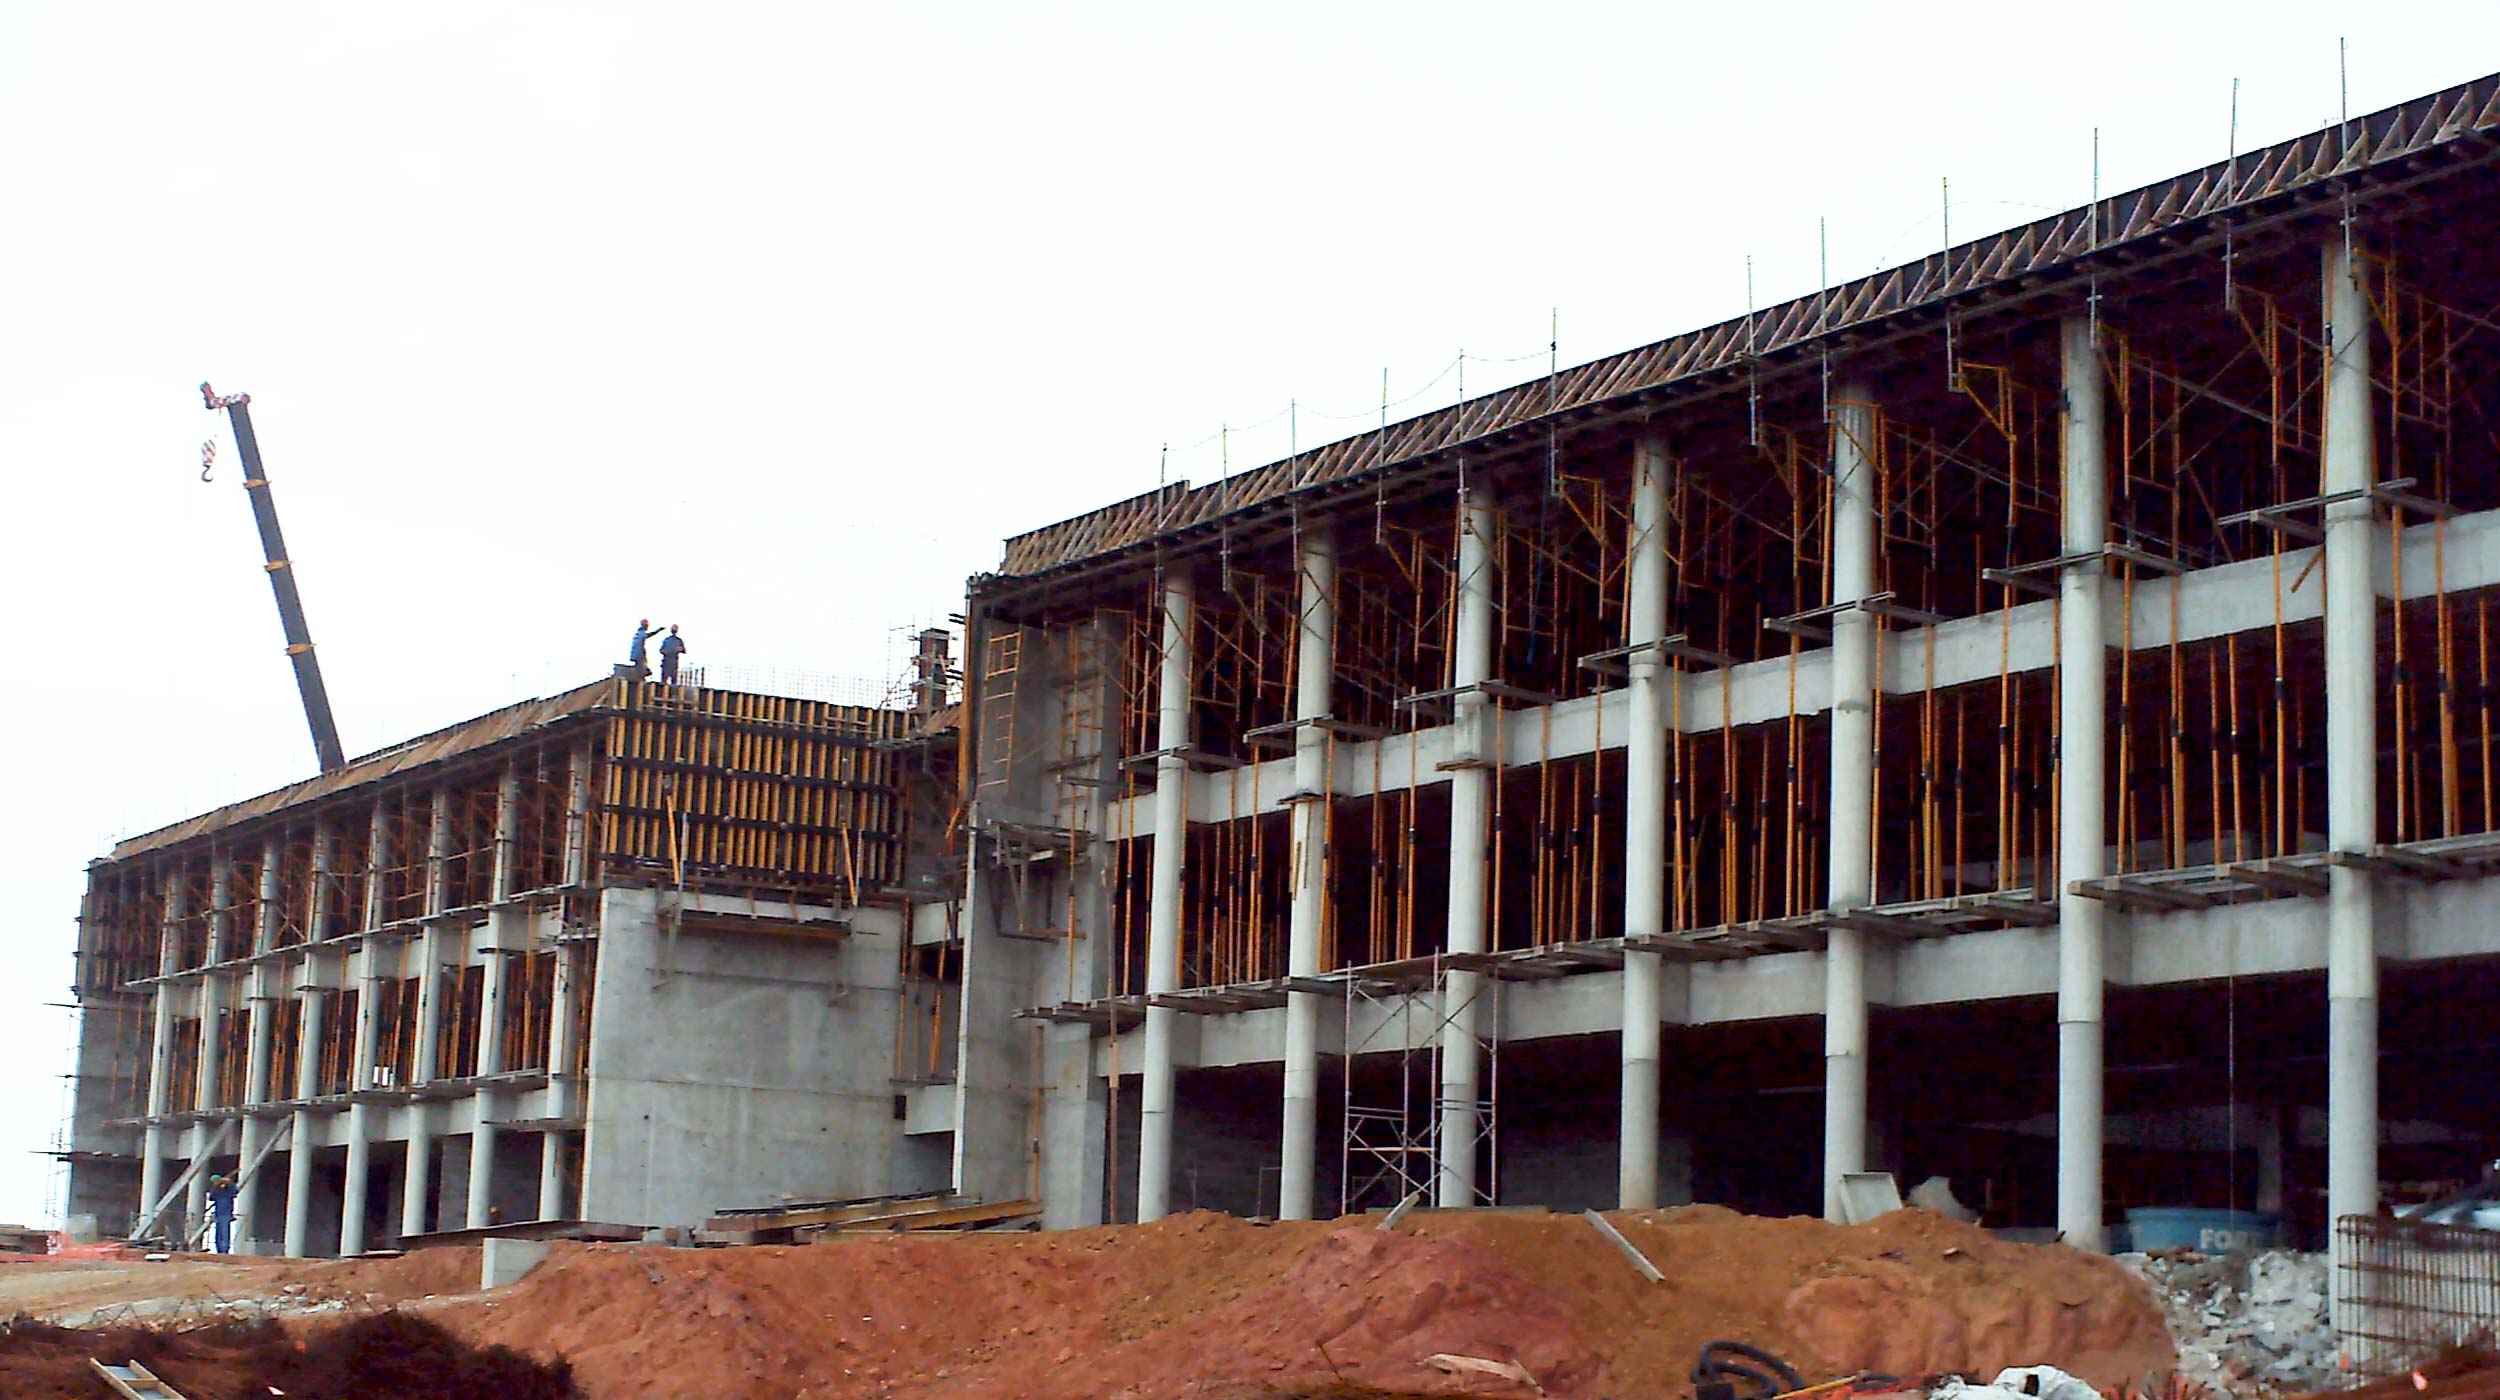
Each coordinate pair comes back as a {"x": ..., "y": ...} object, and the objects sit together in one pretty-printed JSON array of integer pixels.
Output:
[{"x": 2247, "y": 1323}]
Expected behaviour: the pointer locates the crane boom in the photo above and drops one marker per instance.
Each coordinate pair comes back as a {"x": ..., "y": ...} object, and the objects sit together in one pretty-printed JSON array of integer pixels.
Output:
[{"x": 299, "y": 646}]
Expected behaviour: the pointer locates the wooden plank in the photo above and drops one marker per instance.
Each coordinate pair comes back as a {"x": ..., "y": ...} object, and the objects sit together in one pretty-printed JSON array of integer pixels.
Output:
[
  {"x": 832, "y": 1212},
  {"x": 1632, "y": 1252},
  {"x": 944, "y": 1219}
]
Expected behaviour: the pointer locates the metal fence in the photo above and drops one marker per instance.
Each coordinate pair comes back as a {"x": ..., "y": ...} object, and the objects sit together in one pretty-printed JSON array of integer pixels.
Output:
[
  {"x": 2407, "y": 1290},
  {"x": 798, "y": 684}
]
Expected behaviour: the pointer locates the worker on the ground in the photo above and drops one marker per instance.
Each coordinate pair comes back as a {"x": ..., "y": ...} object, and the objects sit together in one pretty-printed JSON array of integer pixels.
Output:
[
  {"x": 672, "y": 647},
  {"x": 638, "y": 655},
  {"x": 221, "y": 1212}
]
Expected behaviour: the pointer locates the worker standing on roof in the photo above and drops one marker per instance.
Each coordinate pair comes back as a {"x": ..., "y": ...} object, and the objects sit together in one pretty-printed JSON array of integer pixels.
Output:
[
  {"x": 221, "y": 1212},
  {"x": 672, "y": 647},
  {"x": 637, "y": 655}
]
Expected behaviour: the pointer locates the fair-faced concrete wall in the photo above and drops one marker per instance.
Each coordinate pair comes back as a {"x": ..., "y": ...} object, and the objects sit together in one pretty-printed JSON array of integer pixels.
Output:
[{"x": 726, "y": 1070}]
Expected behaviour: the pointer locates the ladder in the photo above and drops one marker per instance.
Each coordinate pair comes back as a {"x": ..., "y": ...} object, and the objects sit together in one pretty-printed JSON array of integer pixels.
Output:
[
  {"x": 1002, "y": 657},
  {"x": 134, "y": 1381}
]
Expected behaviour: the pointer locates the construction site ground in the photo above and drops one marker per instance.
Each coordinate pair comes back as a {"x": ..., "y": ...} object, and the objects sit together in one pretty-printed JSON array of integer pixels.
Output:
[{"x": 1199, "y": 1305}]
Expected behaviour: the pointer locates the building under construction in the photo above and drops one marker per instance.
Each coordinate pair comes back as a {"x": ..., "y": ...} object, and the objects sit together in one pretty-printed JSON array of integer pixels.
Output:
[
  {"x": 2026, "y": 716},
  {"x": 624, "y": 954}
]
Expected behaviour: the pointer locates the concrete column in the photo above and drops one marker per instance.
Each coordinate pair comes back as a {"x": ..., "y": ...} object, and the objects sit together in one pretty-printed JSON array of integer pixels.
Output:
[
  {"x": 301, "y": 1151},
  {"x": 1851, "y": 877},
  {"x": 2351, "y": 747},
  {"x": 212, "y": 998},
  {"x": 554, "y": 1146},
  {"x": 490, "y": 996},
  {"x": 1644, "y": 826},
  {"x": 2082, "y": 840},
  {"x": 311, "y": 989},
  {"x": 418, "y": 1176},
  {"x": 360, "y": 1076},
  {"x": 1314, "y": 673},
  {"x": 157, "y": 1146},
  {"x": 261, "y": 1006},
  {"x": 1163, "y": 909},
  {"x": 1471, "y": 806}
]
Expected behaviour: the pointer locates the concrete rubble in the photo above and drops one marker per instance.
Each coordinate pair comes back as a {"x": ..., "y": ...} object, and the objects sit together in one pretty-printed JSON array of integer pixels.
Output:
[
  {"x": 2247, "y": 1324},
  {"x": 2019, "y": 1383}
]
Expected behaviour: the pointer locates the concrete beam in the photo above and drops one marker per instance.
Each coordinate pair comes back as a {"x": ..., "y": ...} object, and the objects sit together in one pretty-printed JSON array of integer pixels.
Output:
[
  {"x": 2225, "y": 600},
  {"x": 2269, "y": 938}
]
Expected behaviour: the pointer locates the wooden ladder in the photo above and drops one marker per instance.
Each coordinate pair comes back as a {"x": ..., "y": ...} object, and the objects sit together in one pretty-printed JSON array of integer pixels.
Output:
[{"x": 134, "y": 1381}]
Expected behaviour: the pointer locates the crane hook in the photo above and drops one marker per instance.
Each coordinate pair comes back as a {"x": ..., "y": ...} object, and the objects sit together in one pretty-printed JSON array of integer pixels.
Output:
[{"x": 208, "y": 456}]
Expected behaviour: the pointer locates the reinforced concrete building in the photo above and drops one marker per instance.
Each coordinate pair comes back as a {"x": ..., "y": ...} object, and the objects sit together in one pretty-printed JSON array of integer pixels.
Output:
[
  {"x": 2024, "y": 716},
  {"x": 624, "y": 955}
]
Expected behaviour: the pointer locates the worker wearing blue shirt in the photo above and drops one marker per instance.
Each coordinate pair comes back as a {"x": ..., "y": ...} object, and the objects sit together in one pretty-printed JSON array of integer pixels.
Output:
[
  {"x": 221, "y": 1212},
  {"x": 637, "y": 654}
]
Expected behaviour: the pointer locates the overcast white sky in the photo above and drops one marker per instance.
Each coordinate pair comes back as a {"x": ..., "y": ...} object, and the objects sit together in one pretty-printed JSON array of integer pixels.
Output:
[{"x": 772, "y": 320}]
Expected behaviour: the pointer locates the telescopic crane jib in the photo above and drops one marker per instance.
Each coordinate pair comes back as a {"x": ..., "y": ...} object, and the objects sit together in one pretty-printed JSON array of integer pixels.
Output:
[{"x": 299, "y": 646}]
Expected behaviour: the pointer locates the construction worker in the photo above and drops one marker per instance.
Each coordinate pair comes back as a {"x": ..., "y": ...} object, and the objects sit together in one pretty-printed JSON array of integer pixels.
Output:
[
  {"x": 672, "y": 647},
  {"x": 221, "y": 1211},
  {"x": 637, "y": 655}
]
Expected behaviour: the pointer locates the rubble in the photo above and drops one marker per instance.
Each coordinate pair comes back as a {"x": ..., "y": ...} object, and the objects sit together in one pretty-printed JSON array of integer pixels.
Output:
[
  {"x": 2246, "y": 1324},
  {"x": 2018, "y": 1383}
]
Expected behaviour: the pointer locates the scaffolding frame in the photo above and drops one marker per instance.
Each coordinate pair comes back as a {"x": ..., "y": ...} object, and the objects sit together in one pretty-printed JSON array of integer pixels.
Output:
[{"x": 1395, "y": 1140}]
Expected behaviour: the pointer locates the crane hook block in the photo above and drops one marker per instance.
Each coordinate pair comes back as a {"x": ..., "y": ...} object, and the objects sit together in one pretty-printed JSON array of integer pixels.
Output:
[{"x": 208, "y": 457}]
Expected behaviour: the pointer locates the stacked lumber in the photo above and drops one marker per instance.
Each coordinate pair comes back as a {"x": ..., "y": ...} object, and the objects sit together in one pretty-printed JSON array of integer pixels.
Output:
[{"x": 799, "y": 1221}]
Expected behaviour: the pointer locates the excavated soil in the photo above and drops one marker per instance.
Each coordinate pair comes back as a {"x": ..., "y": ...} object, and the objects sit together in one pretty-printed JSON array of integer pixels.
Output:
[
  {"x": 1208, "y": 1305},
  {"x": 379, "y": 1356},
  {"x": 1197, "y": 1306}
]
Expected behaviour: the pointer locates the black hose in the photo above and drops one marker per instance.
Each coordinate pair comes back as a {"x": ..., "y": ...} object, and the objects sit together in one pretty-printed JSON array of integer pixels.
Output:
[{"x": 1726, "y": 1361}]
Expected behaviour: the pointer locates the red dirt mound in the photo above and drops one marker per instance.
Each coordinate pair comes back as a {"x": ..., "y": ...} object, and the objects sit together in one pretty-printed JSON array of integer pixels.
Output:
[
  {"x": 441, "y": 1272},
  {"x": 1909, "y": 1294},
  {"x": 1205, "y": 1305}
]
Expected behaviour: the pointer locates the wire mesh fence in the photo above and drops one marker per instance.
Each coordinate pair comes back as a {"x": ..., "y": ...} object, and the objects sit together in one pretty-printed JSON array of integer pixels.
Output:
[
  {"x": 2408, "y": 1289},
  {"x": 793, "y": 682}
]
